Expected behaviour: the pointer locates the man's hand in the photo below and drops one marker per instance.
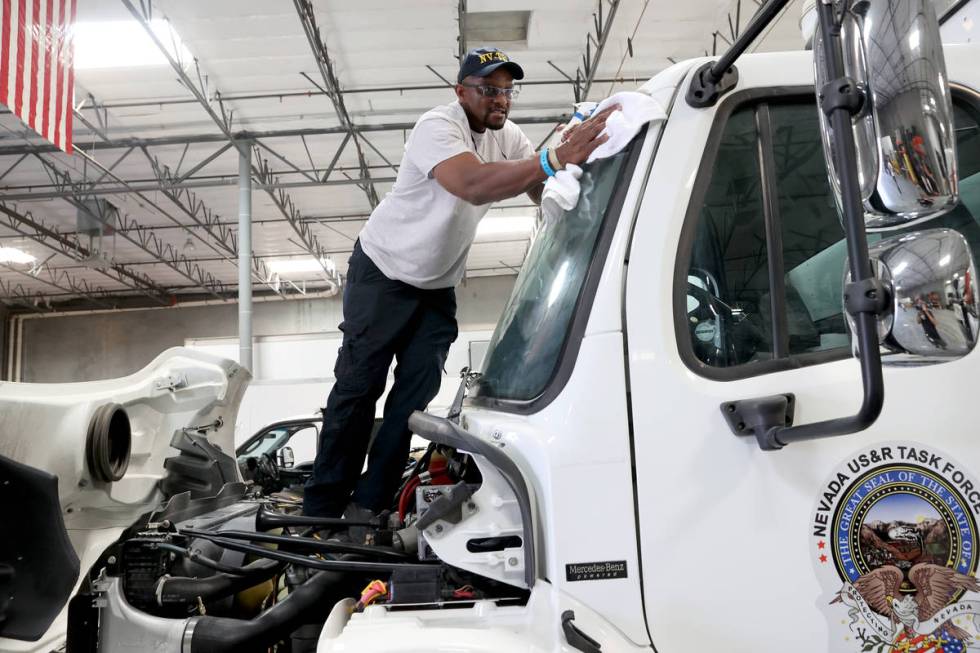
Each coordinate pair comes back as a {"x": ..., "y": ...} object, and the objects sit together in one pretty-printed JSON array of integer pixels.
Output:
[
  {"x": 466, "y": 177},
  {"x": 579, "y": 141}
]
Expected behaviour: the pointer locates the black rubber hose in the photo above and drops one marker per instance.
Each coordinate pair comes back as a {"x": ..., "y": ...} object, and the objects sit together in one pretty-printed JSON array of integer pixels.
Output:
[
  {"x": 203, "y": 560},
  {"x": 296, "y": 542},
  {"x": 226, "y": 635},
  {"x": 266, "y": 520},
  {"x": 183, "y": 590}
]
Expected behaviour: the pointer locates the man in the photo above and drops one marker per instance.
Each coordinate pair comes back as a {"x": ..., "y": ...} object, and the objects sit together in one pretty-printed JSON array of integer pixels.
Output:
[{"x": 399, "y": 300}]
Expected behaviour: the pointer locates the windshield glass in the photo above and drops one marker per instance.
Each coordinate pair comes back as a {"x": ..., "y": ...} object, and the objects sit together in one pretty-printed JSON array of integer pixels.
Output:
[
  {"x": 528, "y": 340},
  {"x": 269, "y": 442}
]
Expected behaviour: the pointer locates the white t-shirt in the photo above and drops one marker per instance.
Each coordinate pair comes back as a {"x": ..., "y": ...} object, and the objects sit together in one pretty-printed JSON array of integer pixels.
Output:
[{"x": 420, "y": 233}]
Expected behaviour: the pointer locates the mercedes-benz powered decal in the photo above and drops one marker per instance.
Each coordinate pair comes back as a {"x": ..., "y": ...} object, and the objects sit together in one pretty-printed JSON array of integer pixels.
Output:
[{"x": 595, "y": 570}]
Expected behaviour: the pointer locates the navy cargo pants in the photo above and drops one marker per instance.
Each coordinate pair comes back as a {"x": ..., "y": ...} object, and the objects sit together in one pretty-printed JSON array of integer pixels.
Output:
[{"x": 383, "y": 319}]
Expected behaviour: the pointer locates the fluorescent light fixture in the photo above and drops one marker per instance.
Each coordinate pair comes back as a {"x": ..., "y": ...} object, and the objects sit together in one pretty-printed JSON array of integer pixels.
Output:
[
  {"x": 520, "y": 226},
  {"x": 944, "y": 261},
  {"x": 124, "y": 44},
  {"x": 14, "y": 255},
  {"x": 301, "y": 265}
]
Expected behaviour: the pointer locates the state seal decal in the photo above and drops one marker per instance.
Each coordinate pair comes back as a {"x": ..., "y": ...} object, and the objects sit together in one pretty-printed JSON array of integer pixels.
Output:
[{"x": 894, "y": 543}]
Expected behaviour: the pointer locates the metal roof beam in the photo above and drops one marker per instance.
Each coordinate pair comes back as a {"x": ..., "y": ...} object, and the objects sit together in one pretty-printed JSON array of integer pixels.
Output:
[
  {"x": 29, "y": 226},
  {"x": 61, "y": 280},
  {"x": 12, "y": 294},
  {"x": 141, "y": 237},
  {"x": 200, "y": 91},
  {"x": 220, "y": 235},
  {"x": 45, "y": 148},
  {"x": 272, "y": 186},
  {"x": 222, "y": 240},
  {"x": 602, "y": 24},
  {"x": 461, "y": 39},
  {"x": 332, "y": 87},
  {"x": 244, "y": 97}
]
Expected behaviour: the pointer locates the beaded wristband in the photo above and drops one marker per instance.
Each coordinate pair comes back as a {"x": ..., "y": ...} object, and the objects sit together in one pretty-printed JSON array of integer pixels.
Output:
[
  {"x": 556, "y": 165},
  {"x": 545, "y": 165}
]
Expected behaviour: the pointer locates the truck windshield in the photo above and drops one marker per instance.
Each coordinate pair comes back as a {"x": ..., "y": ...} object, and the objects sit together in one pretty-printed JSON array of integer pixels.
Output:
[{"x": 531, "y": 334}]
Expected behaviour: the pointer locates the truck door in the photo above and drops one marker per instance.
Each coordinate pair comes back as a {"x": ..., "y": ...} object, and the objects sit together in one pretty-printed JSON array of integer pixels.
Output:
[{"x": 855, "y": 543}]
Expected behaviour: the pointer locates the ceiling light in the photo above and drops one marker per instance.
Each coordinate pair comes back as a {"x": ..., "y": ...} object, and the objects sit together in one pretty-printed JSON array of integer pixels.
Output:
[
  {"x": 124, "y": 44},
  {"x": 301, "y": 265},
  {"x": 14, "y": 255},
  {"x": 497, "y": 227}
]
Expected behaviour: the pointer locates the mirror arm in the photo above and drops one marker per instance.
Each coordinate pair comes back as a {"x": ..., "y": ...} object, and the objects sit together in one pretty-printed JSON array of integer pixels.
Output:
[
  {"x": 715, "y": 78},
  {"x": 865, "y": 296}
]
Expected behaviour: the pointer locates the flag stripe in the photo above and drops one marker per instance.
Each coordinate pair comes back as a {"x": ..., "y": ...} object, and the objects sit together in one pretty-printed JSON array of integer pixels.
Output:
[
  {"x": 46, "y": 84},
  {"x": 70, "y": 91},
  {"x": 5, "y": 49},
  {"x": 8, "y": 99},
  {"x": 19, "y": 61},
  {"x": 60, "y": 83},
  {"x": 34, "y": 26},
  {"x": 36, "y": 61}
]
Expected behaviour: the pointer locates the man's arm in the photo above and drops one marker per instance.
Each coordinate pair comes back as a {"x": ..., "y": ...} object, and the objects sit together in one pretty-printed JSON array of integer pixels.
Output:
[
  {"x": 466, "y": 177},
  {"x": 534, "y": 194}
]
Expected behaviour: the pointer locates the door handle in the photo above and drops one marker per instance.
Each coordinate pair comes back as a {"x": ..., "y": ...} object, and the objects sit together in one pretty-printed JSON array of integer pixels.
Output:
[{"x": 575, "y": 637}]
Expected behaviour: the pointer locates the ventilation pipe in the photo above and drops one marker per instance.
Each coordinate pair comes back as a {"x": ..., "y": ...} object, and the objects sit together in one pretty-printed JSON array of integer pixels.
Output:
[{"x": 245, "y": 259}]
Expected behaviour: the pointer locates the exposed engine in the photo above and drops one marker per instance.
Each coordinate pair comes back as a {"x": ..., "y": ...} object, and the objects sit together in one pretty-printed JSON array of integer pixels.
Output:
[{"x": 244, "y": 571}]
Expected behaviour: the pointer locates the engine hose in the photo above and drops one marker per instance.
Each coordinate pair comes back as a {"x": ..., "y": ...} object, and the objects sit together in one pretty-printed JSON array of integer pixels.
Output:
[
  {"x": 296, "y": 542},
  {"x": 184, "y": 590},
  {"x": 203, "y": 560},
  {"x": 226, "y": 635}
]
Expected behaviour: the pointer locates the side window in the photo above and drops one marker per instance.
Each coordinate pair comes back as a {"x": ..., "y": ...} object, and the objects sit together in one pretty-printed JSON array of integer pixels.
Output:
[
  {"x": 303, "y": 443},
  {"x": 767, "y": 258}
]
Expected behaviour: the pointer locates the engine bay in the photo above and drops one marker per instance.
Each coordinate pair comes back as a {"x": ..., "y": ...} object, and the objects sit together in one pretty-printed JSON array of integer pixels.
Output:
[{"x": 243, "y": 570}]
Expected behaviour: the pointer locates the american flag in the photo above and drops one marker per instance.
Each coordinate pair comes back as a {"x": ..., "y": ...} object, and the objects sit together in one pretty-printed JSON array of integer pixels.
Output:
[
  {"x": 944, "y": 643},
  {"x": 37, "y": 77}
]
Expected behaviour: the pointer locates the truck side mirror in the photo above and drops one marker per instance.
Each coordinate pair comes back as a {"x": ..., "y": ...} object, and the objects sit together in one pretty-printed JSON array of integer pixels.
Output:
[
  {"x": 931, "y": 315},
  {"x": 285, "y": 458},
  {"x": 903, "y": 128}
]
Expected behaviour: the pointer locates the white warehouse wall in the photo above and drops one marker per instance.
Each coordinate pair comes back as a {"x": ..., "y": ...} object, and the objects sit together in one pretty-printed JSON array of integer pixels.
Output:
[
  {"x": 292, "y": 375},
  {"x": 964, "y": 25},
  {"x": 105, "y": 345}
]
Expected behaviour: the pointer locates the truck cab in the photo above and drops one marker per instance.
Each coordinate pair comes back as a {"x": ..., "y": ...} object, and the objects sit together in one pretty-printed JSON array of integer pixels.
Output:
[
  {"x": 614, "y": 479},
  {"x": 704, "y": 265}
]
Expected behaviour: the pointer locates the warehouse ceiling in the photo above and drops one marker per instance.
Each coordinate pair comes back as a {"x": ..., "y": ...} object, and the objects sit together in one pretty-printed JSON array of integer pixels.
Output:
[{"x": 319, "y": 98}]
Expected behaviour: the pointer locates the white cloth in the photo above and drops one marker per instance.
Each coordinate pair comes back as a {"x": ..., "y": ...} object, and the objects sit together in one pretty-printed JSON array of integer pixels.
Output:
[
  {"x": 636, "y": 110},
  {"x": 420, "y": 233},
  {"x": 562, "y": 191}
]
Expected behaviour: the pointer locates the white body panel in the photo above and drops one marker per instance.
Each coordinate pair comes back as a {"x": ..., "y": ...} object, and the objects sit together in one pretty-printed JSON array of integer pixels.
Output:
[
  {"x": 45, "y": 426},
  {"x": 483, "y": 628},
  {"x": 724, "y": 526}
]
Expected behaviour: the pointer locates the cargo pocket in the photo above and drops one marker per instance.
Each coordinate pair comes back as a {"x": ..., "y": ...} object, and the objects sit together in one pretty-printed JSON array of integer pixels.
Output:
[{"x": 353, "y": 368}]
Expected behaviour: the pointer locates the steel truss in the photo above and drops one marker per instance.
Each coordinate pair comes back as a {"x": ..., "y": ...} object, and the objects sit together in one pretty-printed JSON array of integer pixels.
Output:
[
  {"x": 224, "y": 119},
  {"x": 206, "y": 226},
  {"x": 585, "y": 74},
  {"x": 331, "y": 88},
  {"x": 142, "y": 237},
  {"x": 27, "y": 225}
]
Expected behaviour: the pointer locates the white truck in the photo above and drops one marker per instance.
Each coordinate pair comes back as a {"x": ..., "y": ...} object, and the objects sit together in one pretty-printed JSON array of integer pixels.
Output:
[{"x": 646, "y": 460}]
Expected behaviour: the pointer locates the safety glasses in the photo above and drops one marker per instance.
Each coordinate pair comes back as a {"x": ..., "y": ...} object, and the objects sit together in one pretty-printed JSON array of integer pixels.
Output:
[{"x": 494, "y": 91}]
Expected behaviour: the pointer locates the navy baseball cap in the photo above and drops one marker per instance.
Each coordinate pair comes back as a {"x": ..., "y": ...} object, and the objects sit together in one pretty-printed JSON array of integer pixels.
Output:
[{"x": 483, "y": 61}]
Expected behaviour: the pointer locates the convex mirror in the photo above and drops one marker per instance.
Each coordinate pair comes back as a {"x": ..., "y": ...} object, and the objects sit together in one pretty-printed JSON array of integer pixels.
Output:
[
  {"x": 903, "y": 132},
  {"x": 931, "y": 314},
  {"x": 285, "y": 458}
]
